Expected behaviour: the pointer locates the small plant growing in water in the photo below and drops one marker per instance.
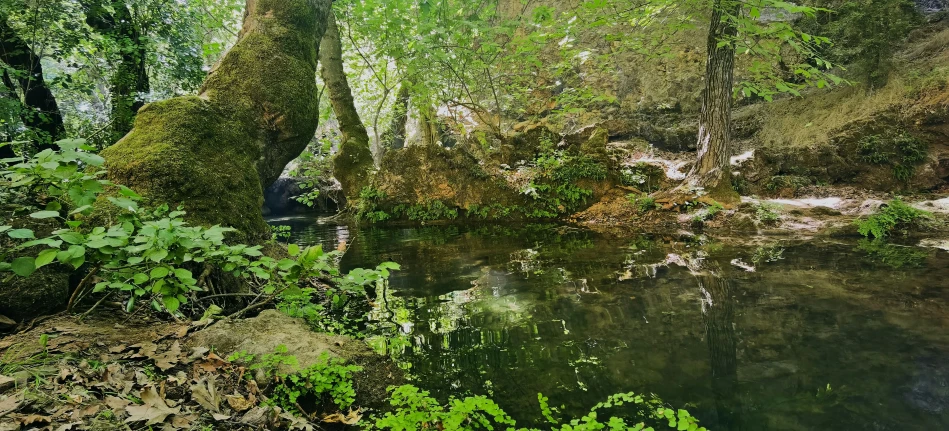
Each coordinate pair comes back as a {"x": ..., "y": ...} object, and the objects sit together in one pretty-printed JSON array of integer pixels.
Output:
[
  {"x": 895, "y": 215},
  {"x": 644, "y": 203}
]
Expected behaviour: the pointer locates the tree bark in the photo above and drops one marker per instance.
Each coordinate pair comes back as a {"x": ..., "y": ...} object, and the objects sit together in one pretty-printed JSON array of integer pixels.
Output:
[
  {"x": 719, "y": 315},
  {"x": 353, "y": 164},
  {"x": 215, "y": 153},
  {"x": 711, "y": 170},
  {"x": 130, "y": 80},
  {"x": 394, "y": 138},
  {"x": 40, "y": 112}
]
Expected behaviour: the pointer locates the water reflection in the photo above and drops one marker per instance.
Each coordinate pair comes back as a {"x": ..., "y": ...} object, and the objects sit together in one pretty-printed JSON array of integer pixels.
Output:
[{"x": 829, "y": 335}]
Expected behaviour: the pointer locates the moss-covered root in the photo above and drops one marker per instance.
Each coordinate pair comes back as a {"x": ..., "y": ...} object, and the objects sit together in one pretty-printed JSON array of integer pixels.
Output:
[{"x": 267, "y": 80}]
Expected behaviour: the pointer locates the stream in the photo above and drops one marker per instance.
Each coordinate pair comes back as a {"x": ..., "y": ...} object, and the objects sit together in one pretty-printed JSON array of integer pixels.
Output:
[{"x": 824, "y": 334}]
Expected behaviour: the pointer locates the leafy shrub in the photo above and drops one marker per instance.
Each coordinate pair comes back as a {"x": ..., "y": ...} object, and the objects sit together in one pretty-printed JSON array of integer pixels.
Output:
[
  {"x": 767, "y": 213},
  {"x": 892, "y": 216},
  {"x": 901, "y": 151},
  {"x": 707, "y": 213},
  {"x": 416, "y": 410},
  {"x": 368, "y": 206}
]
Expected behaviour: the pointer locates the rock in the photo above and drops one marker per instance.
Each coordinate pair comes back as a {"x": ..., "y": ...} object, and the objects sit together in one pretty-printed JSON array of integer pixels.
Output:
[
  {"x": 6, "y": 383},
  {"x": 262, "y": 335},
  {"x": 6, "y": 323}
]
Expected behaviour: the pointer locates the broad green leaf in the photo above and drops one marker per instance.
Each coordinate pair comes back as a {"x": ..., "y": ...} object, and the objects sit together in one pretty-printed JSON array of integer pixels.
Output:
[
  {"x": 140, "y": 278},
  {"x": 23, "y": 266},
  {"x": 171, "y": 303},
  {"x": 292, "y": 249},
  {"x": 21, "y": 234},
  {"x": 45, "y": 214},
  {"x": 159, "y": 272},
  {"x": 182, "y": 274},
  {"x": 46, "y": 257}
]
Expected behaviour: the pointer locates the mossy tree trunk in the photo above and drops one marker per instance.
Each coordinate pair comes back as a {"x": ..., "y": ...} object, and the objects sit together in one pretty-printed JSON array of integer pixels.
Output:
[
  {"x": 394, "y": 137},
  {"x": 129, "y": 81},
  {"x": 215, "y": 153},
  {"x": 40, "y": 112},
  {"x": 711, "y": 170},
  {"x": 353, "y": 164}
]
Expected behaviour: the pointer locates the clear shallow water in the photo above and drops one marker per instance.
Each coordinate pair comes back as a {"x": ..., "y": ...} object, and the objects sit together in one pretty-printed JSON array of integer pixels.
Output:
[{"x": 836, "y": 335}]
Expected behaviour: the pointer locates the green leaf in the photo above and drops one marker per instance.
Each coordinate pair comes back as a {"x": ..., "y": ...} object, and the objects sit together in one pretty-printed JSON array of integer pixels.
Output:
[
  {"x": 140, "y": 278},
  {"x": 45, "y": 214},
  {"x": 124, "y": 203},
  {"x": 292, "y": 249},
  {"x": 157, "y": 256},
  {"x": 46, "y": 257},
  {"x": 71, "y": 237},
  {"x": 21, "y": 234},
  {"x": 23, "y": 266},
  {"x": 171, "y": 303},
  {"x": 182, "y": 274},
  {"x": 5, "y": 228},
  {"x": 159, "y": 272},
  {"x": 80, "y": 209}
]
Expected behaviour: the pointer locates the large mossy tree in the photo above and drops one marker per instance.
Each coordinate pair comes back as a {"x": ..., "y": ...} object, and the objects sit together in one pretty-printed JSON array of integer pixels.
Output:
[{"x": 214, "y": 153}]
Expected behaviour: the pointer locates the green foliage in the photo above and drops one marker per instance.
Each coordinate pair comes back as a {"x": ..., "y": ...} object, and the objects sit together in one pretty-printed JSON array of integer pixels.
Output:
[
  {"x": 428, "y": 211},
  {"x": 644, "y": 203},
  {"x": 792, "y": 182},
  {"x": 368, "y": 207},
  {"x": 328, "y": 380},
  {"x": 901, "y": 151},
  {"x": 150, "y": 254},
  {"x": 415, "y": 409},
  {"x": 866, "y": 33},
  {"x": 314, "y": 166},
  {"x": 892, "y": 255},
  {"x": 556, "y": 186},
  {"x": 643, "y": 176},
  {"x": 895, "y": 215},
  {"x": 708, "y": 212},
  {"x": 767, "y": 254},
  {"x": 767, "y": 212}
]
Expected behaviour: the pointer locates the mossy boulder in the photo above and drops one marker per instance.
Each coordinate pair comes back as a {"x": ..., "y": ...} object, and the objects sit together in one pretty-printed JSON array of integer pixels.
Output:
[{"x": 353, "y": 167}]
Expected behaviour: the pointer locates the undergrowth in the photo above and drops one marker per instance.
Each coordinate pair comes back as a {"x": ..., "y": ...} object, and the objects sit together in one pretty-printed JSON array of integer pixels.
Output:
[{"x": 895, "y": 216}]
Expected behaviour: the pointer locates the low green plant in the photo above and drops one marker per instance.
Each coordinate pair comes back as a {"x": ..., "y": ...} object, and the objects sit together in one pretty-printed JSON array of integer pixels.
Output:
[
  {"x": 368, "y": 206},
  {"x": 329, "y": 379},
  {"x": 415, "y": 409},
  {"x": 893, "y": 216},
  {"x": 900, "y": 150},
  {"x": 428, "y": 211},
  {"x": 767, "y": 213},
  {"x": 707, "y": 213},
  {"x": 767, "y": 254},
  {"x": 644, "y": 203}
]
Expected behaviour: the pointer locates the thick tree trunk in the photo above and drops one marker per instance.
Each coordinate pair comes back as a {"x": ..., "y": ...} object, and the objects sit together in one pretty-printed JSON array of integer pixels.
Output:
[
  {"x": 129, "y": 81},
  {"x": 353, "y": 164},
  {"x": 711, "y": 170},
  {"x": 214, "y": 153},
  {"x": 719, "y": 315},
  {"x": 41, "y": 113}
]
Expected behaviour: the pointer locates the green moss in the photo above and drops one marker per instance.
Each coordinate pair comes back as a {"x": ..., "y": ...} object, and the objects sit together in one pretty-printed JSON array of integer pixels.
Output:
[
  {"x": 352, "y": 166},
  {"x": 184, "y": 151}
]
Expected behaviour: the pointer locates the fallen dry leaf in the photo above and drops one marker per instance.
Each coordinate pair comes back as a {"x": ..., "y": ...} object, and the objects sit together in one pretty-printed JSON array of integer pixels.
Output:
[
  {"x": 86, "y": 411},
  {"x": 182, "y": 332},
  {"x": 116, "y": 403},
  {"x": 33, "y": 420},
  {"x": 204, "y": 393},
  {"x": 350, "y": 418},
  {"x": 70, "y": 426},
  {"x": 169, "y": 359},
  {"x": 145, "y": 350},
  {"x": 198, "y": 353},
  {"x": 182, "y": 421},
  {"x": 220, "y": 416},
  {"x": 153, "y": 411},
  {"x": 118, "y": 349},
  {"x": 210, "y": 364},
  {"x": 239, "y": 403}
]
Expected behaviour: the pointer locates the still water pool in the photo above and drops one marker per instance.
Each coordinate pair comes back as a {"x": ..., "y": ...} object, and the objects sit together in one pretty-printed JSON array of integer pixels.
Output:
[{"x": 822, "y": 335}]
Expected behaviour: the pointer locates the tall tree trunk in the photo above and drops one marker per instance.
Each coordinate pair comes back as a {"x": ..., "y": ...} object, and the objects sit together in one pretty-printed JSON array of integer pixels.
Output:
[
  {"x": 352, "y": 165},
  {"x": 215, "y": 153},
  {"x": 129, "y": 81},
  {"x": 719, "y": 315},
  {"x": 394, "y": 137},
  {"x": 41, "y": 114},
  {"x": 711, "y": 170}
]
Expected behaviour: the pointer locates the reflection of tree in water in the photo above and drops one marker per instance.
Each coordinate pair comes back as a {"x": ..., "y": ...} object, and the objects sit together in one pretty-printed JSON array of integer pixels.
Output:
[{"x": 718, "y": 309}]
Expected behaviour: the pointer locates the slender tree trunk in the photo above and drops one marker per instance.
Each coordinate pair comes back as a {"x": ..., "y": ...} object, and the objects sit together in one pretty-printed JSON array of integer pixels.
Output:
[
  {"x": 129, "y": 81},
  {"x": 41, "y": 114},
  {"x": 394, "y": 137},
  {"x": 352, "y": 165},
  {"x": 719, "y": 316},
  {"x": 711, "y": 170}
]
